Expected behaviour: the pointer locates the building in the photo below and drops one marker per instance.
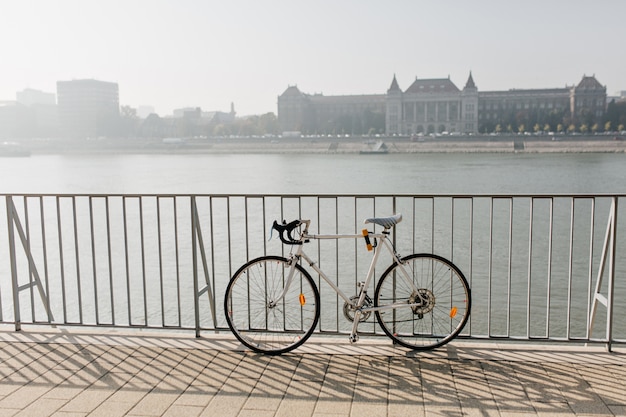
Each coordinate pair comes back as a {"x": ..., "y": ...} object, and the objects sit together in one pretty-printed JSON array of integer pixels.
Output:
[
  {"x": 358, "y": 114},
  {"x": 13, "y": 118},
  {"x": 30, "y": 97},
  {"x": 27, "y": 121},
  {"x": 42, "y": 106},
  {"x": 584, "y": 103},
  {"x": 515, "y": 109},
  {"x": 88, "y": 108},
  {"x": 588, "y": 100},
  {"x": 431, "y": 106},
  {"x": 427, "y": 106}
]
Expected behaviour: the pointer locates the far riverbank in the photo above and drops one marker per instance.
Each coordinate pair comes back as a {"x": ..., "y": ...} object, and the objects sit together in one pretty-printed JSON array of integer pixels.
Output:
[{"x": 347, "y": 145}]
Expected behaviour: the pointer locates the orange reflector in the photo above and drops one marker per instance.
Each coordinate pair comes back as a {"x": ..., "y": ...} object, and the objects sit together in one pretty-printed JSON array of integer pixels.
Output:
[
  {"x": 302, "y": 299},
  {"x": 453, "y": 312}
]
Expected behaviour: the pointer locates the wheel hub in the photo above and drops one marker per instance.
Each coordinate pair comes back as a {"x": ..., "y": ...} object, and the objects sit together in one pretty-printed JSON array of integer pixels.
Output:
[{"x": 424, "y": 301}]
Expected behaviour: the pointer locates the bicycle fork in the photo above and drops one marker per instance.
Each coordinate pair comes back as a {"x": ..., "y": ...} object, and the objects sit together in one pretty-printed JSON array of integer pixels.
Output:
[{"x": 293, "y": 260}]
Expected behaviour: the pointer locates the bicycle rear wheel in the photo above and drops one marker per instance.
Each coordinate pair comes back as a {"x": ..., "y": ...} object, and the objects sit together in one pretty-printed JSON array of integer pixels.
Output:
[
  {"x": 429, "y": 301},
  {"x": 254, "y": 316}
]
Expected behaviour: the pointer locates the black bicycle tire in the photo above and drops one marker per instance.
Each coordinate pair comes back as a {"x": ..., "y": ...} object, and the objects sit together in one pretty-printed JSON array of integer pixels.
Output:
[
  {"x": 238, "y": 333},
  {"x": 437, "y": 342}
]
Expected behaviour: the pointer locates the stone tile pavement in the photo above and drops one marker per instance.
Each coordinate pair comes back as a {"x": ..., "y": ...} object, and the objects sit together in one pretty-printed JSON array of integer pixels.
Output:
[{"x": 69, "y": 373}]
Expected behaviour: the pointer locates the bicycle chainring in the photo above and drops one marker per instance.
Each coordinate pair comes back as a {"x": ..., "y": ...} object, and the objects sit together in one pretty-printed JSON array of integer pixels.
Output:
[{"x": 348, "y": 309}]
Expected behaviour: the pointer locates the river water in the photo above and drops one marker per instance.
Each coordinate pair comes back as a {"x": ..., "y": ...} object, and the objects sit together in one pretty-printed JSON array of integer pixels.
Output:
[
  {"x": 416, "y": 174},
  {"x": 316, "y": 174}
]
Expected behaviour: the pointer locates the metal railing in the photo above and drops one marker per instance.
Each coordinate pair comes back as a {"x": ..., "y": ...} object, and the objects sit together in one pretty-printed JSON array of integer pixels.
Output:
[{"x": 541, "y": 267}]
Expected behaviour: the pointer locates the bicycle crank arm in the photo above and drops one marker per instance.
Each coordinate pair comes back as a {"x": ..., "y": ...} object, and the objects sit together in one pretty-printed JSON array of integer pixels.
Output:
[{"x": 354, "y": 336}]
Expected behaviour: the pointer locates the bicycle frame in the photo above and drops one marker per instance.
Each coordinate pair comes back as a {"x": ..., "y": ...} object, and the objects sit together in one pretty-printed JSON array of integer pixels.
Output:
[{"x": 381, "y": 240}]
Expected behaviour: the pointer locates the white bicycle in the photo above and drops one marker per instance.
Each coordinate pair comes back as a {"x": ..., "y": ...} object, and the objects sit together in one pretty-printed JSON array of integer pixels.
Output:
[{"x": 272, "y": 305}]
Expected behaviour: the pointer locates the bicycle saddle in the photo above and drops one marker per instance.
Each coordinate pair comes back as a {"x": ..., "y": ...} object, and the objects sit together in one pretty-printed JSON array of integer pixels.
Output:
[{"x": 386, "y": 222}]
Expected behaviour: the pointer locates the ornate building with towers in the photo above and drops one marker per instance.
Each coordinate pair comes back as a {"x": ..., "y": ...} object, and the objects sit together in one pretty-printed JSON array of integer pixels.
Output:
[
  {"x": 432, "y": 106},
  {"x": 437, "y": 105}
]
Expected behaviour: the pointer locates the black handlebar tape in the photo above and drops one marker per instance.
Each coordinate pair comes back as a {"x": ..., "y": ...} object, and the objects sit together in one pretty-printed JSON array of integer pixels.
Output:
[{"x": 289, "y": 228}]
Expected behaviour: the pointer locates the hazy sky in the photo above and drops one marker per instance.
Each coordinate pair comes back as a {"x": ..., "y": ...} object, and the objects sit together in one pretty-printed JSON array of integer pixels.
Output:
[{"x": 178, "y": 53}]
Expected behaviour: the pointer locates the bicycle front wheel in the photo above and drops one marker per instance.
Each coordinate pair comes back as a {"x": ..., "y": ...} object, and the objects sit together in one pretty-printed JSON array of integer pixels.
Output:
[
  {"x": 256, "y": 314},
  {"x": 424, "y": 301}
]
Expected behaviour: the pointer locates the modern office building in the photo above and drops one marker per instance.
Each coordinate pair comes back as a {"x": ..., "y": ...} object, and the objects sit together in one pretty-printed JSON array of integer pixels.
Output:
[
  {"x": 30, "y": 97},
  {"x": 43, "y": 113},
  {"x": 88, "y": 108},
  {"x": 32, "y": 114}
]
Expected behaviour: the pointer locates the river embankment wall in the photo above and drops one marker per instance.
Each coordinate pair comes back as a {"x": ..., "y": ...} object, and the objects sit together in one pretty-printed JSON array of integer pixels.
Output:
[{"x": 592, "y": 144}]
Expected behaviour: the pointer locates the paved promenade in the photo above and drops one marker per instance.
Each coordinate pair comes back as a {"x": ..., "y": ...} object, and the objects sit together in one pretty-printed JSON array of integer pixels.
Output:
[{"x": 67, "y": 373}]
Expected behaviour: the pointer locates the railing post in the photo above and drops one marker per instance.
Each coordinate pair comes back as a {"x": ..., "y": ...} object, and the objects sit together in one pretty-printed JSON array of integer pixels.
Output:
[
  {"x": 15, "y": 287},
  {"x": 608, "y": 250},
  {"x": 611, "y": 293},
  {"x": 194, "y": 232},
  {"x": 197, "y": 240}
]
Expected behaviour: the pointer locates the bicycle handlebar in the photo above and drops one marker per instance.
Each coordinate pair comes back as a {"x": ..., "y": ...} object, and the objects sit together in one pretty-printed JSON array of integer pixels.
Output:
[{"x": 288, "y": 228}]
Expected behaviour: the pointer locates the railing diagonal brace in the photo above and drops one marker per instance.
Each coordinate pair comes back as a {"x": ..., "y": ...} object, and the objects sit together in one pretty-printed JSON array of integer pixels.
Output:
[
  {"x": 197, "y": 236},
  {"x": 15, "y": 224},
  {"x": 608, "y": 251}
]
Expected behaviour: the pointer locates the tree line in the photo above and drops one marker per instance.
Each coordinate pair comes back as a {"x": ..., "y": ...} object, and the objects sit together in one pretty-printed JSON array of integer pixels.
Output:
[
  {"x": 217, "y": 126},
  {"x": 559, "y": 121}
]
